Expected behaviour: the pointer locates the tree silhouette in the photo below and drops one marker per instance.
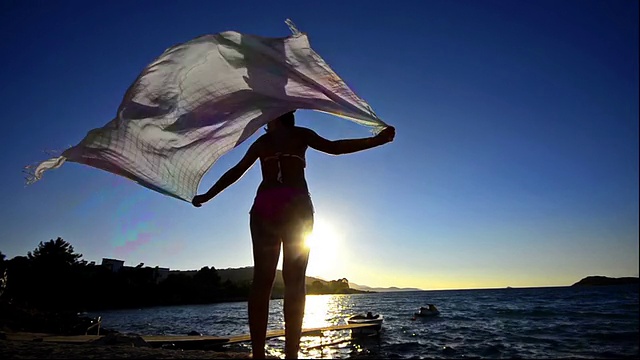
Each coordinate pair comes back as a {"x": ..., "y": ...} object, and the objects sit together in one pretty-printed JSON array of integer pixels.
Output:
[
  {"x": 317, "y": 287},
  {"x": 56, "y": 253},
  {"x": 3, "y": 274},
  {"x": 54, "y": 278},
  {"x": 206, "y": 285},
  {"x": 55, "y": 275}
]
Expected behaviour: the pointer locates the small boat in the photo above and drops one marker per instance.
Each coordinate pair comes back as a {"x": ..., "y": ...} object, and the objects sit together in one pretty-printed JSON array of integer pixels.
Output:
[
  {"x": 375, "y": 320},
  {"x": 431, "y": 310}
]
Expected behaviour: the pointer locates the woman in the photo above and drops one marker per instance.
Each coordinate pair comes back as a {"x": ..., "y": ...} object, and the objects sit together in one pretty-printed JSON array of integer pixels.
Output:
[{"x": 282, "y": 215}]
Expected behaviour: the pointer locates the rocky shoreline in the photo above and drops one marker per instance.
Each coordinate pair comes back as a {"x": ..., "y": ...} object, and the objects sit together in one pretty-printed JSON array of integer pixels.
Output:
[
  {"x": 25, "y": 334},
  {"x": 20, "y": 349}
]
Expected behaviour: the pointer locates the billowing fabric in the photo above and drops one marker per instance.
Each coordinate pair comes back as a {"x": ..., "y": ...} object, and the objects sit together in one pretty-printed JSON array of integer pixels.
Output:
[{"x": 202, "y": 98}]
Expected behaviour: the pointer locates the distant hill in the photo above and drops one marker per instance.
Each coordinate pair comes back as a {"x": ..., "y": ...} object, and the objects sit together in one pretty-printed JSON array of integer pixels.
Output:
[
  {"x": 244, "y": 275},
  {"x": 604, "y": 280},
  {"x": 380, "y": 289}
]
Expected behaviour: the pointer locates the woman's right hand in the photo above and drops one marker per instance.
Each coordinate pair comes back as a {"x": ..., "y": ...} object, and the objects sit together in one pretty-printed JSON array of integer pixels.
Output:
[{"x": 386, "y": 135}]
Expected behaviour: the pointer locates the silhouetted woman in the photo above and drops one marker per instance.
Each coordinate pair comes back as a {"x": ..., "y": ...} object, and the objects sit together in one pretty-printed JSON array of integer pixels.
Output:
[{"x": 282, "y": 215}]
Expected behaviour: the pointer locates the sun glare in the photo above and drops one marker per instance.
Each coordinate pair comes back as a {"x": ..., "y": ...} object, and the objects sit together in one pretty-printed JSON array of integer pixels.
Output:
[
  {"x": 324, "y": 244},
  {"x": 323, "y": 236}
]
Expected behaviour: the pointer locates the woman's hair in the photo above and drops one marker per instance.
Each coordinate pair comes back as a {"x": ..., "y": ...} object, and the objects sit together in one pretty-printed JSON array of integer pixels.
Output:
[{"x": 288, "y": 119}]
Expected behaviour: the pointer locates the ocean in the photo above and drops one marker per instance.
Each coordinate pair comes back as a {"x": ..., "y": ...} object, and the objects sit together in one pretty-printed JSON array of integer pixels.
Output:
[{"x": 528, "y": 323}]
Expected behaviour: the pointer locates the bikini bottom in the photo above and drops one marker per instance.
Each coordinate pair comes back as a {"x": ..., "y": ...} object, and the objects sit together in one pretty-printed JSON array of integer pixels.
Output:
[{"x": 282, "y": 209}]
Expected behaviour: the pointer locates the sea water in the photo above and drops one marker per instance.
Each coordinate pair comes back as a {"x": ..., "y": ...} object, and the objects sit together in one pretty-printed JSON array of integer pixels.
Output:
[{"x": 552, "y": 322}]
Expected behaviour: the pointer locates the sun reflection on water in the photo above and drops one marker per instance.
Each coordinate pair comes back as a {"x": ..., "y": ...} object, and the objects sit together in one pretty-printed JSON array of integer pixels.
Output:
[{"x": 322, "y": 311}]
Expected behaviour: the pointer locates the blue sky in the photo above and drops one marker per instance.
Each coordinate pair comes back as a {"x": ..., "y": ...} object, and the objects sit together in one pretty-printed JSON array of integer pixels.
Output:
[{"x": 515, "y": 161}]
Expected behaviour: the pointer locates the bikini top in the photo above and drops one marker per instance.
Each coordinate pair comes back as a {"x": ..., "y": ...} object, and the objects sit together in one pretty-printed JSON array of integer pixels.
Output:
[{"x": 278, "y": 156}]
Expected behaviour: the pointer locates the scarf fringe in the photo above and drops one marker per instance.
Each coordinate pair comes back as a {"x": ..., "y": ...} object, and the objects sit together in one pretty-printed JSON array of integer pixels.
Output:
[
  {"x": 34, "y": 172},
  {"x": 292, "y": 27}
]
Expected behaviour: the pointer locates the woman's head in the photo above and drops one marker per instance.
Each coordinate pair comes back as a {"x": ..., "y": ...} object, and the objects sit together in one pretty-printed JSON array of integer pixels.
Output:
[{"x": 285, "y": 120}]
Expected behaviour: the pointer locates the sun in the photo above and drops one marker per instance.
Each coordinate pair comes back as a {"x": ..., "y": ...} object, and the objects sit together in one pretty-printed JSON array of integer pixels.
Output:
[
  {"x": 322, "y": 237},
  {"x": 324, "y": 246}
]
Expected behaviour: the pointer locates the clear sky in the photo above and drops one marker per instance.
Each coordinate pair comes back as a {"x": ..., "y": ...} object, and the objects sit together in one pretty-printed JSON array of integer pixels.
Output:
[{"x": 515, "y": 161}]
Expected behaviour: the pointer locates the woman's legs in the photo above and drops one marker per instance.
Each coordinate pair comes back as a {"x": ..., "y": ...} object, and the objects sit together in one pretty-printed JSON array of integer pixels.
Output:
[
  {"x": 294, "y": 268},
  {"x": 266, "y": 251}
]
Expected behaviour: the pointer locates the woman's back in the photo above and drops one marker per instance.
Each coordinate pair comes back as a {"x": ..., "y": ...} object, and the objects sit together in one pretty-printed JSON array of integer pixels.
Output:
[
  {"x": 282, "y": 158},
  {"x": 281, "y": 152}
]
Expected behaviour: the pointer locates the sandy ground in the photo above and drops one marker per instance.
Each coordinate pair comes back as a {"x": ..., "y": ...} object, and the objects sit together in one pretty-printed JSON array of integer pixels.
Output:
[
  {"x": 27, "y": 346},
  {"x": 26, "y": 350}
]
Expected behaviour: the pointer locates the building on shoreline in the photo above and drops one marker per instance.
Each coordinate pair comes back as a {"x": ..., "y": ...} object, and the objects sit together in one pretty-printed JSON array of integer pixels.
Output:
[{"x": 115, "y": 265}]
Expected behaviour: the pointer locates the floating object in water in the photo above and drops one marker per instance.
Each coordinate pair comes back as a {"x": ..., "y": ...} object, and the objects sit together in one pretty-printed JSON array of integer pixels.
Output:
[
  {"x": 429, "y": 311},
  {"x": 374, "y": 320}
]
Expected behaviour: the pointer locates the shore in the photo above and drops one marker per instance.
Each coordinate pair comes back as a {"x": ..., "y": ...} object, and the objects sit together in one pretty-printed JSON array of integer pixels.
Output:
[{"x": 31, "y": 346}]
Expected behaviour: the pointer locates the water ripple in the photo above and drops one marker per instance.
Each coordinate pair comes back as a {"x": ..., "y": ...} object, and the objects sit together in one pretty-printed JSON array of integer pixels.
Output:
[{"x": 498, "y": 323}]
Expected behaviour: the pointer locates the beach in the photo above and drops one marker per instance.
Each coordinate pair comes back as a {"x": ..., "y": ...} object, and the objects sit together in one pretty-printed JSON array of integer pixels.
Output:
[{"x": 31, "y": 346}]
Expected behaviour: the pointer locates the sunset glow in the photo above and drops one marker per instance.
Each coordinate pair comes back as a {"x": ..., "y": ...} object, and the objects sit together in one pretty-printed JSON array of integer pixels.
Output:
[{"x": 324, "y": 244}]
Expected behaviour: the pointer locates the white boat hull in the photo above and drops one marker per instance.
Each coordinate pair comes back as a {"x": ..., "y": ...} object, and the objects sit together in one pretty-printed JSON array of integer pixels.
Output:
[{"x": 376, "y": 324}]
